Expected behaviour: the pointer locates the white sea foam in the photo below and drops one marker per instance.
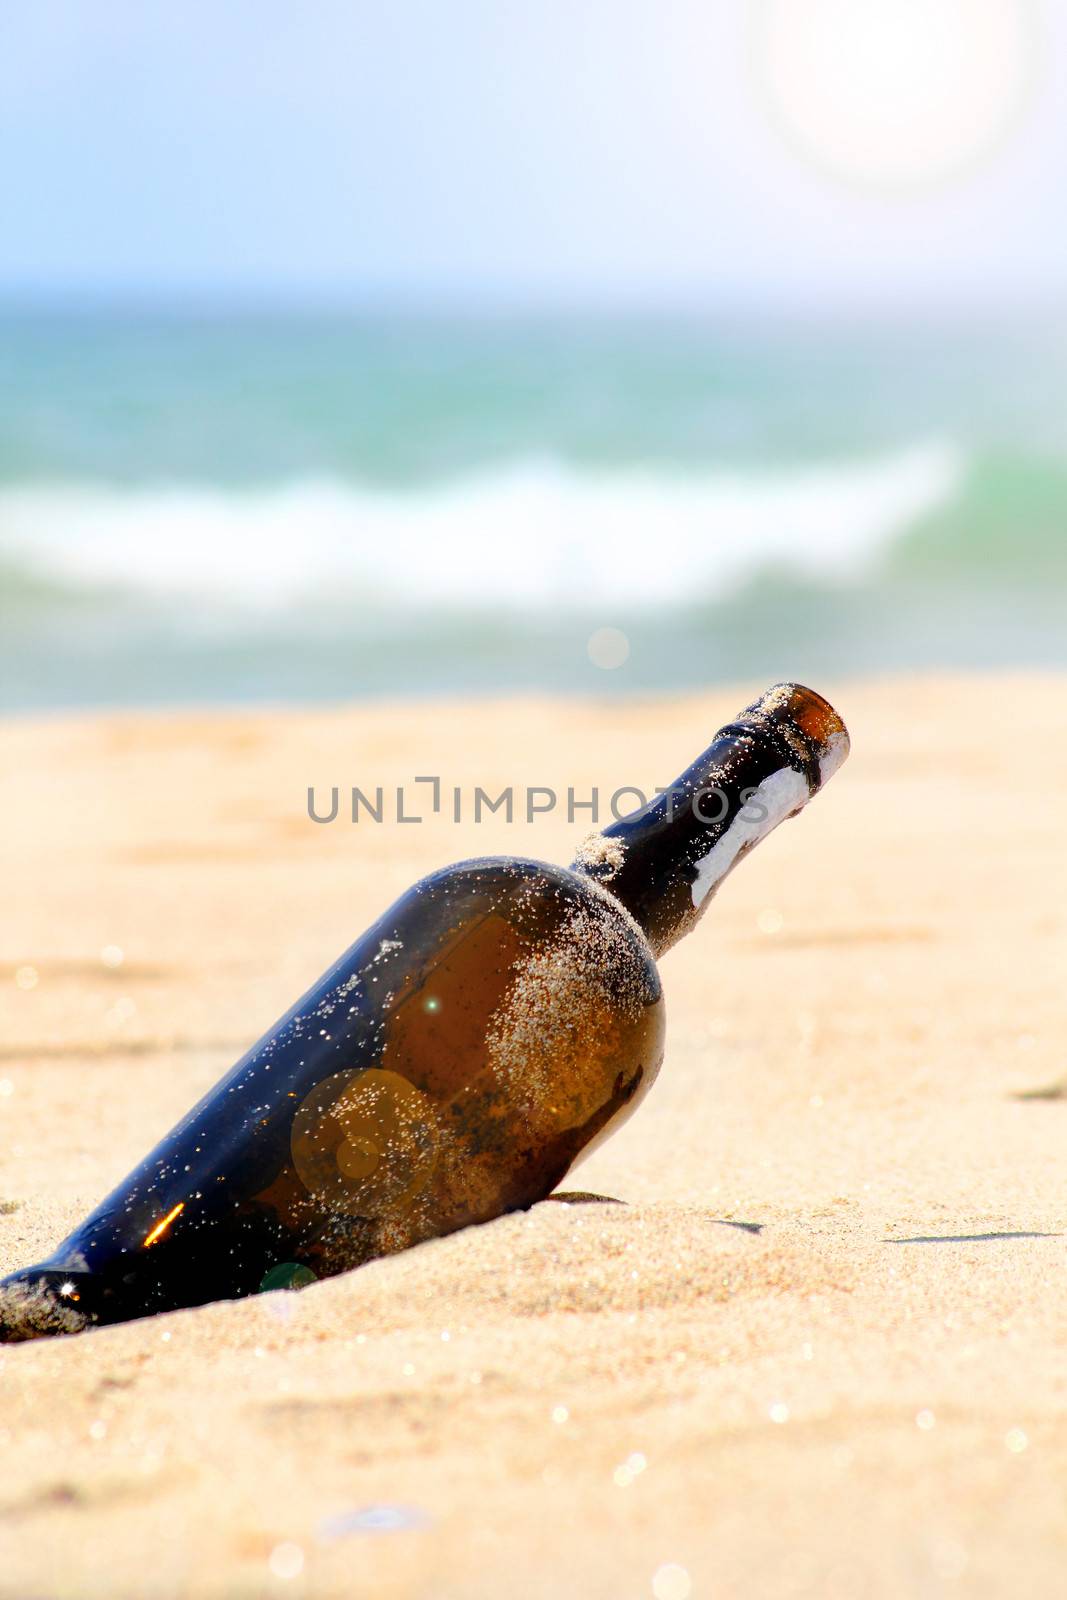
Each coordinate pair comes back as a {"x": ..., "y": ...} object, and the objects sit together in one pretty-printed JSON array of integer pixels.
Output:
[{"x": 539, "y": 535}]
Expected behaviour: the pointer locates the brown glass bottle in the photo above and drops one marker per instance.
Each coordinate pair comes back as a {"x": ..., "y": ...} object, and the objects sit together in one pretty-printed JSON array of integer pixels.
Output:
[{"x": 495, "y": 1024}]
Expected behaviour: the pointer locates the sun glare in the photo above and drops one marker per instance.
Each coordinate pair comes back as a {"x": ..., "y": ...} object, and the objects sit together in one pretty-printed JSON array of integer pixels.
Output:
[{"x": 895, "y": 93}]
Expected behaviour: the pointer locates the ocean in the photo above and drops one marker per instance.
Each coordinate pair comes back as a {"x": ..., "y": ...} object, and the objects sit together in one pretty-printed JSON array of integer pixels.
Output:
[{"x": 211, "y": 507}]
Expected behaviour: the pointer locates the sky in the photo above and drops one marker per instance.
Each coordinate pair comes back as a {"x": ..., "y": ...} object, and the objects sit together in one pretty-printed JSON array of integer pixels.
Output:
[{"x": 489, "y": 151}]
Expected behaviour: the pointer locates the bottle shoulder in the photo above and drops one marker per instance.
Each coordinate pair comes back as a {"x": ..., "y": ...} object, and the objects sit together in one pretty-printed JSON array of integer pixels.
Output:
[
  {"x": 485, "y": 877},
  {"x": 497, "y": 869}
]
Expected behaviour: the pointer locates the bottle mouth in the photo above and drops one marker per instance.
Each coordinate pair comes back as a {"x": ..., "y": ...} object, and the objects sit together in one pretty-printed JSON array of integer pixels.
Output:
[{"x": 812, "y": 719}]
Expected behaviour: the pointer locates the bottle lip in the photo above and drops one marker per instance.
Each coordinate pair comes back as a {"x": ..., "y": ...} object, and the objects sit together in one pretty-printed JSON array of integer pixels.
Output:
[{"x": 810, "y": 716}]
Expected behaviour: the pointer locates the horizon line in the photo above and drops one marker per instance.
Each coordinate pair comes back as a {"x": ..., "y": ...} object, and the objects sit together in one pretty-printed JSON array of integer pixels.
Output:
[{"x": 494, "y": 304}]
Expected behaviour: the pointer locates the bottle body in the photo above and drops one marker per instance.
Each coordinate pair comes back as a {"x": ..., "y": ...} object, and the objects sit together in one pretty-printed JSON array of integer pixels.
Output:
[{"x": 495, "y": 1023}]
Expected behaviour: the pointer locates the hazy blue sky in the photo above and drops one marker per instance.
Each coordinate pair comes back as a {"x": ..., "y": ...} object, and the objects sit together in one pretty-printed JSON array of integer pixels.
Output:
[{"x": 592, "y": 149}]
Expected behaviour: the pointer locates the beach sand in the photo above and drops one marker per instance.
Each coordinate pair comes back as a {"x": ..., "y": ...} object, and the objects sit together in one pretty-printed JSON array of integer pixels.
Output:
[{"x": 799, "y": 1329}]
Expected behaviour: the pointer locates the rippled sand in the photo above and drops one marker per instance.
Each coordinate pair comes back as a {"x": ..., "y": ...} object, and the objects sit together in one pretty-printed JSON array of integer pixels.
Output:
[{"x": 797, "y": 1330}]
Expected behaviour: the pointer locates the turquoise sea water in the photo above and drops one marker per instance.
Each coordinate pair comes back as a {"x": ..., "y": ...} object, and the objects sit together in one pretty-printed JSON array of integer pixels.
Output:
[{"x": 209, "y": 507}]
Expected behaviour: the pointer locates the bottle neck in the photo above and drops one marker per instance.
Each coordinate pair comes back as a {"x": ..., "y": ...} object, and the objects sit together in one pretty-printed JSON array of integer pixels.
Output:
[{"x": 665, "y": 862}]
